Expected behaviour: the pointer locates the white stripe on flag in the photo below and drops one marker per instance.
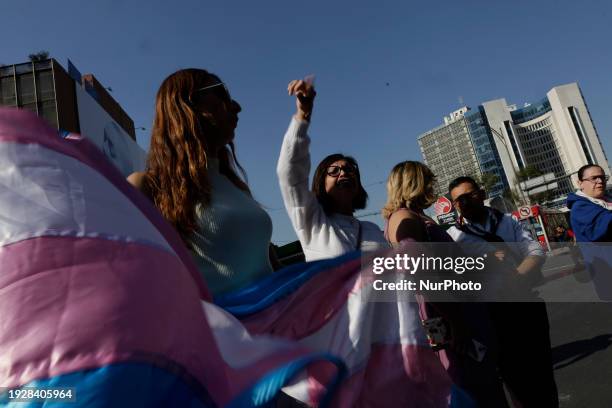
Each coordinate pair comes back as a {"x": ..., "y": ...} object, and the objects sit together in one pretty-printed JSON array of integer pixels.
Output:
[
  {"x": 235, "y": 342},
  {"x": 45, "y": 193},
  {"x": 363, "y": 322}
]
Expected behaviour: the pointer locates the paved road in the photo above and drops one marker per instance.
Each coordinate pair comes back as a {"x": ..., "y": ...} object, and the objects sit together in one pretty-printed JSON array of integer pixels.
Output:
[{"x": 581, "y": 335}]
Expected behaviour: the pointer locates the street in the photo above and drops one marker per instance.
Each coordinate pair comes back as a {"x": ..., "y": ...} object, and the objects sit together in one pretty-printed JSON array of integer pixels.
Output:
[{"x": 581, "y": 336}]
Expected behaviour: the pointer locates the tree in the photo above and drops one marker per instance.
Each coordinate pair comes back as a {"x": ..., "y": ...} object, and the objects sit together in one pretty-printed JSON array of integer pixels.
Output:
[
  {"x": 528, "y": 172},
  {"x": 487, "y": 181},
  {"x": 39, "y": 56},
  {"x": 514, "y": 196},
  {"x": 543, "y": 197}
]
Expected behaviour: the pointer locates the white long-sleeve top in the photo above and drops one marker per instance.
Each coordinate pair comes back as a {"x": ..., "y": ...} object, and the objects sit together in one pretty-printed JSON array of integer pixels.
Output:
[{"x": 321, "y": 235}]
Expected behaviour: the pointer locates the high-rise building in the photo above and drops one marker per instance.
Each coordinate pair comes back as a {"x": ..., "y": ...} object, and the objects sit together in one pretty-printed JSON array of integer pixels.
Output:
[
  {"x": 463, "y": 146},
  {"x": 73, "y": 103},
  {"x": 556, "y": 136}
]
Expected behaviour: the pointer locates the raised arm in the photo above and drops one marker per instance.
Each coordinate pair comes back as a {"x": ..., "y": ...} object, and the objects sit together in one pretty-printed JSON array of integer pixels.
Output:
[{"x": 293, "y": 166}]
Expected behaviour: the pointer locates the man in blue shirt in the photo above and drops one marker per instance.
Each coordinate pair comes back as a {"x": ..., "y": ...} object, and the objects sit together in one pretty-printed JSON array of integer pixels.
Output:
[{"x": 525, "y": 357}]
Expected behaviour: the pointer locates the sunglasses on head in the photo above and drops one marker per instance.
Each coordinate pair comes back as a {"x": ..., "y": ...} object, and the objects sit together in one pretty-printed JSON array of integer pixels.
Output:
[
  {"x": 334, "y": 171},
  {"x": 219, "y": 89}
]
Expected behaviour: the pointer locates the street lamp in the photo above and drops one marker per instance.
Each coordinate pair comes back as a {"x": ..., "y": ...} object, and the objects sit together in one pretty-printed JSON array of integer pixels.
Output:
[{"x": 516, "y": 179}]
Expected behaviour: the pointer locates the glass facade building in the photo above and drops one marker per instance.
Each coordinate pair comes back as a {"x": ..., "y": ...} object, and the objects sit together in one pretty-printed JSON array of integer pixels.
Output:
[
  {"x": 486, "y": 152},
  {"x": 530, "y": 112},
  {"x": 555, "y": 136},
  {"x": 464, "y": 146}
]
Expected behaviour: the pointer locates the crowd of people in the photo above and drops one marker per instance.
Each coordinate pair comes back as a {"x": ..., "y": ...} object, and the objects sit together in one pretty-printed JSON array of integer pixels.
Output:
[{"x": 194, "y": 179}]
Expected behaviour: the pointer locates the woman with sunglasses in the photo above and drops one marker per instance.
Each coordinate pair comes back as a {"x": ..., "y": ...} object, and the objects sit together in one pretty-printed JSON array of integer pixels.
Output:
[
  {"x": 194, "y": 179},
  {"x": 410, "y": 190},
  {"x": 591, "y": 220},
  {"x": 191, "y": 177},
  {"x": 323, "y": 217}
]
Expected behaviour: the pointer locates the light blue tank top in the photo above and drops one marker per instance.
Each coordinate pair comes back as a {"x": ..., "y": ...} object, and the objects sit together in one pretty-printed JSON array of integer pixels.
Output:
[{"x": 231, "y": 243}]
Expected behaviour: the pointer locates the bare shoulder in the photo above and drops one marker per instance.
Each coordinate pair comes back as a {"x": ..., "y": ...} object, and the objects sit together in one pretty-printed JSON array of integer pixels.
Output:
[
  {"x": 403, "y": 214},
  {"x": 137, "y": 179},
  {"x": 405, "y": 224}
]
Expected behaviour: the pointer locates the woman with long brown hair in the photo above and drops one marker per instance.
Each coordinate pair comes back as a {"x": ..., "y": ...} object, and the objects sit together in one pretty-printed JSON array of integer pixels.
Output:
[{"x": 194, "y": 179}]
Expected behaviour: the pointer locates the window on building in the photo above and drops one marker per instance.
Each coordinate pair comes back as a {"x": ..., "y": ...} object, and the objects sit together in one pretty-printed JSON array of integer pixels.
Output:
[
  {"x": 44, "y": 85},
  {"x": 42, "y": 64},
  {"x": 23, "y": 68},
  {"x": 47, "y": 110},
  {"x": 581, "y": 137},
  {"x": 7, "y": 91},
  {"x": 30, "y": 106},
  {"x": 7, "y": 71},
  {"x": 25, "y": 89}
]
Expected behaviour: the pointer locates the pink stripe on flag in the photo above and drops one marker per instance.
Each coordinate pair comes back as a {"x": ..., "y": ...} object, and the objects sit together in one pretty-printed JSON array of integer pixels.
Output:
[
  {"x": 22, "y": 126},
  {"x": 309, "y": 308},
  {"x": 406, "y": 376},
  {"x": 74, "y": 303}
]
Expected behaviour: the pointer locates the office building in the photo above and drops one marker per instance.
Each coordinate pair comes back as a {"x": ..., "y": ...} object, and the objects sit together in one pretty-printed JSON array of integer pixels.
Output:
[
  {"x": 463, "y": 146},
  {"x": 555, "y": 135},
  {"x": 73, "y": 104}
]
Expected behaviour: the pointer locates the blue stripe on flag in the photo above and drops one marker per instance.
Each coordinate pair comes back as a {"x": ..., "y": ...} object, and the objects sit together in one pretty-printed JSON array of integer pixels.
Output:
[
  {"x": 267, "y": 291},
  {"x": 264, "y": 392}
]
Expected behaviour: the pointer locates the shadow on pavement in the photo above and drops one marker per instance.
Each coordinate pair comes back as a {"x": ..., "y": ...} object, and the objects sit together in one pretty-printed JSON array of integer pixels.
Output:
[{"x": 567, "y": 354}]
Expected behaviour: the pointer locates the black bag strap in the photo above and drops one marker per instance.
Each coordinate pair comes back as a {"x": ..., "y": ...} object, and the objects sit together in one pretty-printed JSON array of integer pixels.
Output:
[
  {"x": 358, "y": 247},
  {"x": 489, "y": 236},
  {"x": 486, "y": 235}
]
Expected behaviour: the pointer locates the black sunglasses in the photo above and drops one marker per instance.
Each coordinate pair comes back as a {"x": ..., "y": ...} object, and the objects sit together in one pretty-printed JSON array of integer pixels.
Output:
[
  {"x": 334, "y": 171},
  {"x": 463, "y": 199}
]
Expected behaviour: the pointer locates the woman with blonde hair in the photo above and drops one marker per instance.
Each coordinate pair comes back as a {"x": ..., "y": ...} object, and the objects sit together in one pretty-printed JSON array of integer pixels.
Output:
[{"x": 411, "y": 190}]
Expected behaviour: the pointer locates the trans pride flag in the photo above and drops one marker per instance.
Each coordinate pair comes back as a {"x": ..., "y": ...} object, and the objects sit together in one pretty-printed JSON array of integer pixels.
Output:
[
  {"x": 330, "y": 306},
  {"x": 97, "y": 292}
]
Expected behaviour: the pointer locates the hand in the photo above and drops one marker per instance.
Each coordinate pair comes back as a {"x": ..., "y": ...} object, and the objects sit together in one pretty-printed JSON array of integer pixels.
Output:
[
  {"x": 305, "y": 94},
  {"x": 500, "y": 255}
]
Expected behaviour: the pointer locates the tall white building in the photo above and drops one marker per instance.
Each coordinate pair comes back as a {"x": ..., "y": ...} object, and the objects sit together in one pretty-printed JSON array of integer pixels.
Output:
[{"x": 555, "y": 135}]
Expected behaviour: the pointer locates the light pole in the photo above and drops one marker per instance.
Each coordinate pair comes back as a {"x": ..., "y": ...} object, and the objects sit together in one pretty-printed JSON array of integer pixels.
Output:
[{"x": 516, "y": 179}]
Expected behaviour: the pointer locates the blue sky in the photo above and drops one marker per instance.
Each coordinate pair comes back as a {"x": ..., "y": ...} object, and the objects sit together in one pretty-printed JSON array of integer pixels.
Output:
[{"x": 429, "y": 53}]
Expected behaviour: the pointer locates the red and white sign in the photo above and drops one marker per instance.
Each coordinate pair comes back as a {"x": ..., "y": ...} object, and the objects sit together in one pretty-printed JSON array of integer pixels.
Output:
[
  {"x": 524, "y": 212},
  {"x": 443, "y": 206}
]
